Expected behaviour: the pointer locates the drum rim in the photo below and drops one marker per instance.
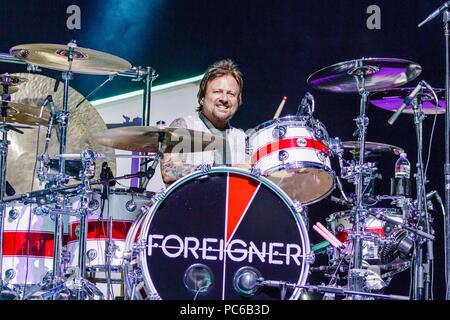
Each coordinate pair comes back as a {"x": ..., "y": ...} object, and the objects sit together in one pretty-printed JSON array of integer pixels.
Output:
[
  {"x": 147, "y": 219},
  {"x": 291, "y": 119}
]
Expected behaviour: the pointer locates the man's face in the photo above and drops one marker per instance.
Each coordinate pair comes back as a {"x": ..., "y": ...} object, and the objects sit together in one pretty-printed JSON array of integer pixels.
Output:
[{"x": 220, "y": 102}]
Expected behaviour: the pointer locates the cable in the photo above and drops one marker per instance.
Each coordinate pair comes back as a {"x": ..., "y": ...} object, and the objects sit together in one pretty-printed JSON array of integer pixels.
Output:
[
  {"x": 200, "y": 289},
  {"x": 436, "y": 107}
]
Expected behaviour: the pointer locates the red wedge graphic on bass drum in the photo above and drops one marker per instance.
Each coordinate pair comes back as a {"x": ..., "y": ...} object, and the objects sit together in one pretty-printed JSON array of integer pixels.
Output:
[{"x": 241, "y": 191}]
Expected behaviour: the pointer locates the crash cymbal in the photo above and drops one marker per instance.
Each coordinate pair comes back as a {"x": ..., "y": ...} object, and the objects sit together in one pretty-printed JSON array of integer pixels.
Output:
[
  {"x": 83, "y": 122},
  {"x": 85, "y": 61},
  {"x": 372, "y": 147},
  {"x": 145, "y": 139},
  {"x": 378, "y": 73},
  {"x": 25, "y": 114},
  {"x": 392, "y": 99}
]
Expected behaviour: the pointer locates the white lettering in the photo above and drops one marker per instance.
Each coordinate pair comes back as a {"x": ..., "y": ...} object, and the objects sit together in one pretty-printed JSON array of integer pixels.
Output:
[
  {"x": 273, "y": 252},
  {"x": 192, "y": 249},
  {"x": 179, "y": 247}
]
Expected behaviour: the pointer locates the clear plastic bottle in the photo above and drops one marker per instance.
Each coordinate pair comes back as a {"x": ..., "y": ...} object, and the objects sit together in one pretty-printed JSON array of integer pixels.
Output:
[{"x": 402, "y": 167}]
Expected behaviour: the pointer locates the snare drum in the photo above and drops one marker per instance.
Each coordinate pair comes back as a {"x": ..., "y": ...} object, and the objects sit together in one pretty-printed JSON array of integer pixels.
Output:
[
  {"x": 293, "y": 152},
  {"x": 121, "y": 209},
  {"x": 341, "y": 225},
  {"x": 209, "y": 232},
  {"x": 27, "y": 245}
]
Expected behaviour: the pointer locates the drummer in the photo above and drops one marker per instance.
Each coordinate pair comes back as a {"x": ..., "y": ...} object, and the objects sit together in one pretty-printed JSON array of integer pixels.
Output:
[{"x": 219, "y": 97}]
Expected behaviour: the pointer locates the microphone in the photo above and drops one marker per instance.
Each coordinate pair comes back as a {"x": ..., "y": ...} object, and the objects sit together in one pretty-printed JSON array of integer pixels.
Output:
[
  {"x": 106, "y": 175},
  {"x": 341, "y": 201},
  {"x": 434, "y": 14},
  {"x": 405, "y": 103},
  {"x": 304, "y": 108}
]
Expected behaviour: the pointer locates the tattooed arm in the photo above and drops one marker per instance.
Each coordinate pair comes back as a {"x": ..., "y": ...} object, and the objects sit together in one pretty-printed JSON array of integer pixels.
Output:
[{"x": 173, "y": 165}]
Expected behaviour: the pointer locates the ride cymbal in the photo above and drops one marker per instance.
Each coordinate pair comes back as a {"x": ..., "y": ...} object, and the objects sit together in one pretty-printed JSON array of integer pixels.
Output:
[
  {"x": 85, "y": 61},
  {"x": 378, "y": 73}
]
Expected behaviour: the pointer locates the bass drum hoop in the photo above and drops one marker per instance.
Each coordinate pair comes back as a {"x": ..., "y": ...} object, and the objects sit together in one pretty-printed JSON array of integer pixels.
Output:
[{"x": 146, "y": 222}]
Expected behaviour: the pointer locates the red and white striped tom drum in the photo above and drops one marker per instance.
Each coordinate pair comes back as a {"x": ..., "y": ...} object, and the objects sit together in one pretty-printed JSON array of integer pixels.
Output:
[
  {"x": 208, "y": 231},
  {"x": 27, "y": 245},
  {"x": 121, "y": 209},
  {"x": 294, "y": 153}
]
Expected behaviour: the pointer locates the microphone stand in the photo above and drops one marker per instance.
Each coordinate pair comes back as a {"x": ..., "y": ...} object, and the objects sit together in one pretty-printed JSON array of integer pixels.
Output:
[
  {"x": 422, "y": 277},
  {"x": 447, "y": 149},
  {"x": 446, "y": 18}
]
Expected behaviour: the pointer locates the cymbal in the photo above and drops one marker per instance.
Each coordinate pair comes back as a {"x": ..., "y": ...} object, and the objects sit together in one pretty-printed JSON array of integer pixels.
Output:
[
  {"x": 25, "y": 114},
  {"x": 85, "y": 61},
  {"x": 372, "y": 147},
  {"x": 83, "y": 122},
  {"x": 145, "y": 139},
  {"x": 392, "y": 99},
  {"x": 378, "y": 73},
  {"x": 11, "y": 89}
]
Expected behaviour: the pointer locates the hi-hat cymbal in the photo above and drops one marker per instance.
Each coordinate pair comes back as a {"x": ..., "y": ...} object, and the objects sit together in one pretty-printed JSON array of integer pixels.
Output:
[
  {"x": 378, "y": 73},
  {"x": 392, "y": 99},
  {"x": 25, "y": 114},
  {"x": 145, "y": 139},
  {"x": 85, "y": 61},
  {"x": 372, "y": 147}
]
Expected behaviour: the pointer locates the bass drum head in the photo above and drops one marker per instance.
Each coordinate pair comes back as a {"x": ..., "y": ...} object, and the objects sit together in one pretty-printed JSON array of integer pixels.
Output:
[{"x": 214, "y": 233}]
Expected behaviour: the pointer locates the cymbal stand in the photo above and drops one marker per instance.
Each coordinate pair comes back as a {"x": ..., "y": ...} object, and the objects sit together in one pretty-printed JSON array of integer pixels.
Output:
[
  {"x": 355, "y": 282},
  {"x": 422, "y": 269},
  {"x": 4, "y": 128},
  {"x": 62, "y": 118}
]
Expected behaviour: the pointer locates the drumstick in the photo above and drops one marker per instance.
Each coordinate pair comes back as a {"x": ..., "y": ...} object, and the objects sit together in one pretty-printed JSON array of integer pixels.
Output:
[
  {"x": 326, "y": 237},
  {"x": 280, "y": 108},
  {"x": 324, "y": 229}
]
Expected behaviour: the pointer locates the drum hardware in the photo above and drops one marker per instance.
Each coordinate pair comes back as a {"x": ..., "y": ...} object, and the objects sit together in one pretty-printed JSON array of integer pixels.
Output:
[
  {"x": 255, "y": 172},
  {"x": 421, "y": 270},
  {"x": 362, "y": 76},
  {"x": 261, "y": 282}
]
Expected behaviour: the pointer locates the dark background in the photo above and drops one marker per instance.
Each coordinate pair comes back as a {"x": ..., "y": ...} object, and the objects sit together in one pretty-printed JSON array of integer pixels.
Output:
[{"x": 277, "y": 44}]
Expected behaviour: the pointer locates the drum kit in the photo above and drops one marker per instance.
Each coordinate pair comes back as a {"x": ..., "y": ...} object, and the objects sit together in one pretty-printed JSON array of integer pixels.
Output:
[{"x": 217, "y": 233}]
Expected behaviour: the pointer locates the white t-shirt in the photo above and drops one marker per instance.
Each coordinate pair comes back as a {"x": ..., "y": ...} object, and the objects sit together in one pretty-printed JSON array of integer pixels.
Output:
[{"x": 213, "y": 154}]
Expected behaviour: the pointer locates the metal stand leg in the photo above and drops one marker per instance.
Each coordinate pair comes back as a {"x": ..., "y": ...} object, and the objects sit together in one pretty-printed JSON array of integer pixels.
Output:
[{"x": 355, "y": 281}]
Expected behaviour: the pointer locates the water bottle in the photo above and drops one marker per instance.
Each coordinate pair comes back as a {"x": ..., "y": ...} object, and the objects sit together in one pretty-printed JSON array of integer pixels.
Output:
[
  {"x": 401, "y": 183},
  {"x": 402, "y": 167}
]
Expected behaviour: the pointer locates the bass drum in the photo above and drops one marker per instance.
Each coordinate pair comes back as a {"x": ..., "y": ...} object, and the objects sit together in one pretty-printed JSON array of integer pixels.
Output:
[{"x": 210, "y": 235}]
